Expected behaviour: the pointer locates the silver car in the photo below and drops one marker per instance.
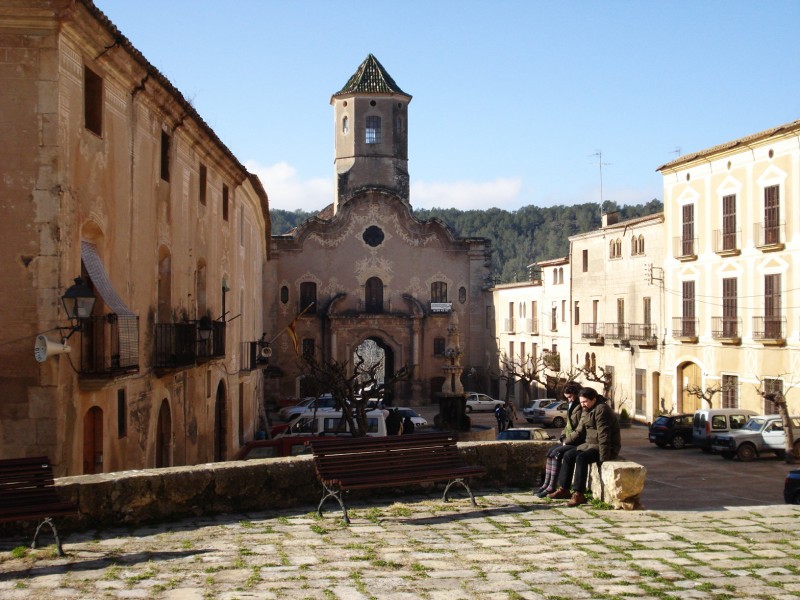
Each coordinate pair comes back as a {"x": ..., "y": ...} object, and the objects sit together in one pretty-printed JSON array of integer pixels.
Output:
[
  {"x": 553, "y": 415},
  {"x": 477, "y": 402},
  {"x": 535, "y": 404}
]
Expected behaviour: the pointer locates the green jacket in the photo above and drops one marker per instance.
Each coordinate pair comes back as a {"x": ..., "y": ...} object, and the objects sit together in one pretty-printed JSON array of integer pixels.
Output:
[
  {"x": 573, "y": 419},
  {"x": 599, "y": 428}
]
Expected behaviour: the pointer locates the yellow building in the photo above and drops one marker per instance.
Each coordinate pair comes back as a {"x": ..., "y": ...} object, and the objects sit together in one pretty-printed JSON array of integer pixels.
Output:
[
  {"x": 731, "y": 272},
  {"x": 110, "y": 174}
]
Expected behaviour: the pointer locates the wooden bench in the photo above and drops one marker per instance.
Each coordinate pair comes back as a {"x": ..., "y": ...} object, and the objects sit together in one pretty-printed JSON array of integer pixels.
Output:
[
  {"x": 344, "y": 464},
  {"x": 27, "y": 493}
]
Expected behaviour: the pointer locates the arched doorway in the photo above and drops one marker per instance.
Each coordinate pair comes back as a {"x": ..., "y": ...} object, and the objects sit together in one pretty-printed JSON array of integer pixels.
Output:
[
  {"x": 689, "y": 375},
  {"x": 93, "y": 441},
  {"x": 373, "y": 350},
  {"x": 164, "y": 436},
  {"x": 220, "y": 424}
]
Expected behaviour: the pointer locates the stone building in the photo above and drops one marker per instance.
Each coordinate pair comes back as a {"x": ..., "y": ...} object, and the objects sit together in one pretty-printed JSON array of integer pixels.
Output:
[
  {"x": 731, "y": 272},
  {"x": 617, "y": 300},
  {"x": 366, "y": 269},
  {"x": 110, "y": 174}
]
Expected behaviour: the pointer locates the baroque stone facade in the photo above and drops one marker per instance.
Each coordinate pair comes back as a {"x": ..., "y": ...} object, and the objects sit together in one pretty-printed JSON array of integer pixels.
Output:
[{"x": 371, "y": 269}]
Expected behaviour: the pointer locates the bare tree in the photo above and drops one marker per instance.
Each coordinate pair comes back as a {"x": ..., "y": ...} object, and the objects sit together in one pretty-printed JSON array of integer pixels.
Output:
[
  {"x": 706, "y": 394},
  {"x": 777, "y": 395},
  {"x": 602, "y": 376},
  {"x": 530, "y": 370},
  {"x": 351, "y": 388}
]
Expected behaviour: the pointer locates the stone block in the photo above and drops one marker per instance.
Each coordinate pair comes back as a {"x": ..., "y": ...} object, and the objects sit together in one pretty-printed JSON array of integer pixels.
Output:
[{"x": 618, "y": 483}]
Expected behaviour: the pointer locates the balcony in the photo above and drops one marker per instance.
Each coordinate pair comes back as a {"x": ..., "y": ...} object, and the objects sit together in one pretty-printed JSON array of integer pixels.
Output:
[
  {"x": 685, "y": 248},
  {"x": 768, "y": 237},
  {"x": 509, "y": 326},
  {"x": 770, "y": 330},
  {"x": 727, "y": 243},
  {"x": 531, "y": 326},
  {"x": 185, "y": 344},
  {"x": 255, "y": 355},
  {"x": 592, "y": 332},
  {"x": 645, "y": 334},
  {"x": 727, "y": 330},
  {"x": 617, "y": 331},
  {"x": 685, "y": 329},
  {"x": 109, "y": 346}
]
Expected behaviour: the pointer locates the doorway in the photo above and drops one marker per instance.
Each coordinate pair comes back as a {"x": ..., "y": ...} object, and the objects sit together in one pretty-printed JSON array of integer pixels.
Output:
[
  {"x": 164, "y": 436},
  {"x": 689, "y": 375},
  {"x": 93, "y": 441},
  {"x": 220, "y": 427}
]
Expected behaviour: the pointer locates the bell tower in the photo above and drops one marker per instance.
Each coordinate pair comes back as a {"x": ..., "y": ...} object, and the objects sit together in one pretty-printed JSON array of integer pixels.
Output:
[{"x": 370, "y": 134}]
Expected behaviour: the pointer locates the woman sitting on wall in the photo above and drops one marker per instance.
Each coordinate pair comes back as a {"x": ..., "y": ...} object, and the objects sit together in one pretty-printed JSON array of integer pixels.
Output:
[{"x": 556, "y": 453}]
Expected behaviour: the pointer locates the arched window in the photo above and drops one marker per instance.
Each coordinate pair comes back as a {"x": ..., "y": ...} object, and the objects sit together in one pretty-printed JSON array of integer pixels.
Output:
[
  {"x": 587, "y": 362},
  {"x": 611, "y": 247},
  {"x": 308, "y": 296},
  {"x": 555, "y": 276},
  {"x": 345, "y": 125},
  {"x": 641, "y": 244},
  {"x": 373, "y": 130},
  {"x": 561, "y": 275},
  {"x": 439, "y": 291},
  {"x": 634, "y": 246},
  {"x": 373, "y": 295}
]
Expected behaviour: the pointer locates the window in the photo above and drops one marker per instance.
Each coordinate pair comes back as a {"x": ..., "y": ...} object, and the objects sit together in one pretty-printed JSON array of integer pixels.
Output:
[
  {"x": 439, "y": 291},
  {"x": 687, "y": 230},
  {"x": 577, "y": 313},
  {"x": 641, "y": 244},
  {"x": 462, "y": 294},
  {"x": 224, "y": 202},
  {"x": 373, "y": 130},
  {"x": 165, "y": 142},
  {"x": 773, "y": 390},
  {"x": 595, "y": 310},
  {"x": 585, "y": 261},
  {"x": 373, "y": 295},
  {"x": 729, "y": 222},
  {"x": 203, "y": 187},
  {"x": 284, "y": 294},
  {"x": 438, "y": 346},
  {"x": 92, "y": 101},
  {"x": 615, "y": 248},
  {"x": 308, "y": 296},
  {"x": 564, "y": 310},
  {"x": 687, "y": 304},
  {"x": 730, "y": 307},
  {"x": 647, "y": 311},
  {"x": 730, "y": 391},
  {"x": 522, "y": 353},
  {"x": 634, "y": 246},
  {"x": 641, "y": 390},
  {"x": 555, "y": 276},
  {"x": 554, "y": 318},
  {"x": 122, "y": 414},
  {"x": 308, "y": 347},
  {"x": 772, "y": 215},
  {"x": 772, "y": 306},
  {"x": 345, "y": 125}
]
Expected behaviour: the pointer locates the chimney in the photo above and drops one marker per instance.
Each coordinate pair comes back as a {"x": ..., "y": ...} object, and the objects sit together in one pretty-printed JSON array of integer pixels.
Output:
[{"x": 609, "y": 218}]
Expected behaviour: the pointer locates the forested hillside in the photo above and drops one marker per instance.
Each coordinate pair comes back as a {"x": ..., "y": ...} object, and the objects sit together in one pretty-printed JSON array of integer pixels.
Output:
[{"x": 519, "y": 237}]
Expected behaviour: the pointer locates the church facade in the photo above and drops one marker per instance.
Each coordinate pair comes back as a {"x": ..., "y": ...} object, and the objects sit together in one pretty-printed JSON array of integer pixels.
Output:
[{"x": 366, "y": 269}]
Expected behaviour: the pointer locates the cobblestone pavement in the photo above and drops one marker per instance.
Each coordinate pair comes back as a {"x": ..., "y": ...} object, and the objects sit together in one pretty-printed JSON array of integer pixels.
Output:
[{"x": 512, "y": 546}]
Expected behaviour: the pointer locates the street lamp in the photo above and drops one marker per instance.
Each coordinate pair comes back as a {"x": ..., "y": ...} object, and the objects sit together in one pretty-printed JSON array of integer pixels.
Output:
[
  {"x": 78, "y": 302},
  {"x": 205, "y": 327}
]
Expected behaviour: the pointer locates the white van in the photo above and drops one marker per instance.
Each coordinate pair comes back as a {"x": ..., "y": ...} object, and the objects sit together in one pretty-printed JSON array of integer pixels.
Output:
[
  {"x": 330, "y": 422},
  {"x": 708, "y": 422}
]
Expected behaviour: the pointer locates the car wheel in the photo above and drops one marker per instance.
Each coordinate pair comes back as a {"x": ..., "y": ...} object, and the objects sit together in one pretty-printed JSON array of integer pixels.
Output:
[
  {"x": 678, "y": 442},
  {"x": 469, "y": 409},
  {"x": 558, "y": 422},
  {"x": 796, "y": 497},
  {"x": 746, "y": 452},
  {"x": 728, "y": 454}
]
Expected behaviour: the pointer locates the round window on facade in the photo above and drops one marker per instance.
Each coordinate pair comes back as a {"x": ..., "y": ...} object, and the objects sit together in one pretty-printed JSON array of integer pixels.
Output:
[
  {"x": 284, "y": 294},
  {"x": 372, "y": 103},
  {"x": 373, "y": 236}
]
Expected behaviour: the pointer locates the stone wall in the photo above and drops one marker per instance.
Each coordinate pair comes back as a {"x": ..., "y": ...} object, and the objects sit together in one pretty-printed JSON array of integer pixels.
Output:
[{"x": 153, "y": 495}]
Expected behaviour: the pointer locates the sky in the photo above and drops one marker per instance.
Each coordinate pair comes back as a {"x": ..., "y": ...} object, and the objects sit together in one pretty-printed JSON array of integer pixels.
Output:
[{"x": 515, "y": 103}]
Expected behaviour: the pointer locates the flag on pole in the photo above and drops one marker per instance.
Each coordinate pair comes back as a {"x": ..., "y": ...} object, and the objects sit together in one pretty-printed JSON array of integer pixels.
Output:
[{"x": 290, "y": 329}]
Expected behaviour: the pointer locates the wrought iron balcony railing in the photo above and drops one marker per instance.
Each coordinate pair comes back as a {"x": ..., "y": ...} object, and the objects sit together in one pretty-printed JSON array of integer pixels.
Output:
[
  {"x": 645, "y": 333},
  {"x": 109, "y": 346},
  {"x": 184, "y": 344},
  {"x": 591, "y": 331},
  {"x": 684, "y": 328},
  {"x": 768, "y": 235},
  {"x": 726, "y": 328},
  {"x": 617, "y": 331},
  {"x": 727, "y": 242},
  {"x": 769, "y": 329},
  {"x": 685, "y": 247}
]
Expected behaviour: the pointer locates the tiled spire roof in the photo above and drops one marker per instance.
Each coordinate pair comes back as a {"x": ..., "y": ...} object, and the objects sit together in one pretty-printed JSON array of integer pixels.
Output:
[{"x": 370, "y": 78}]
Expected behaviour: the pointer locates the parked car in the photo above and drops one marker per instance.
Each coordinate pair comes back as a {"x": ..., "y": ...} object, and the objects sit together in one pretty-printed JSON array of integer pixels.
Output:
[
  {"x": 534, "y": 404},
  {"x": 289, "y": 445},
  {"x": 671, "y": 430},
  {"x": 323, "y": 402},
  {"x": 416, "y": 419},
  {"x": 791, "y": 487},
  {"x": 708, "y": 422},
  {"x": 759, "y": 435},
  {"x": 552, "y": 415},
  {"x": 478, "y": 402},
  {"x": 533, "y": 434}
]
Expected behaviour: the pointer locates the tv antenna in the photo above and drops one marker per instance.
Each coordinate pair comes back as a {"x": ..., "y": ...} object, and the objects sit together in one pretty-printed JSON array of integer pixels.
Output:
[{"x": 601, "y": 164}]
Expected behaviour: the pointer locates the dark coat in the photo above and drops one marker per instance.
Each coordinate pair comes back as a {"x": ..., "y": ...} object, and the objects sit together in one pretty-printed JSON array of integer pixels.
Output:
[{"x": 600, "y": 429}]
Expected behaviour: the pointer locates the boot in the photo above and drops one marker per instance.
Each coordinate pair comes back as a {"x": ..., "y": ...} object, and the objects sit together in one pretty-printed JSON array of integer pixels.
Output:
[
  {"x": 577, "y": 499},
  {"x": 560, "y": 494}
]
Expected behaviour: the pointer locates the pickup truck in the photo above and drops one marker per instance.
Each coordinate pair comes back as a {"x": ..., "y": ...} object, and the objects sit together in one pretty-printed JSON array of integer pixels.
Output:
[{"x": 760, "y": 434}]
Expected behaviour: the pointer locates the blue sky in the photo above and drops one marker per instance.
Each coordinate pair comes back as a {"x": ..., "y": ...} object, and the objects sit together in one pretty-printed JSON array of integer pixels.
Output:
[{"x": 512, "y": 99}]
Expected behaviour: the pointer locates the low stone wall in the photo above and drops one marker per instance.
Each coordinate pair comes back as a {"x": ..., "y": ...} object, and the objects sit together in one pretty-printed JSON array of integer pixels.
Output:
[{"x": 152, "y": 495}]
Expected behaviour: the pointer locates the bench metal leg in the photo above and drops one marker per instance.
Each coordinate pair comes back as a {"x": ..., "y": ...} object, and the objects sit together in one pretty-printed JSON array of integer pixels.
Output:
[
  {"x": 332, "y": 493},
  {"x": 48, "y": 521},
  {"x": 466, "y": 487}
]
